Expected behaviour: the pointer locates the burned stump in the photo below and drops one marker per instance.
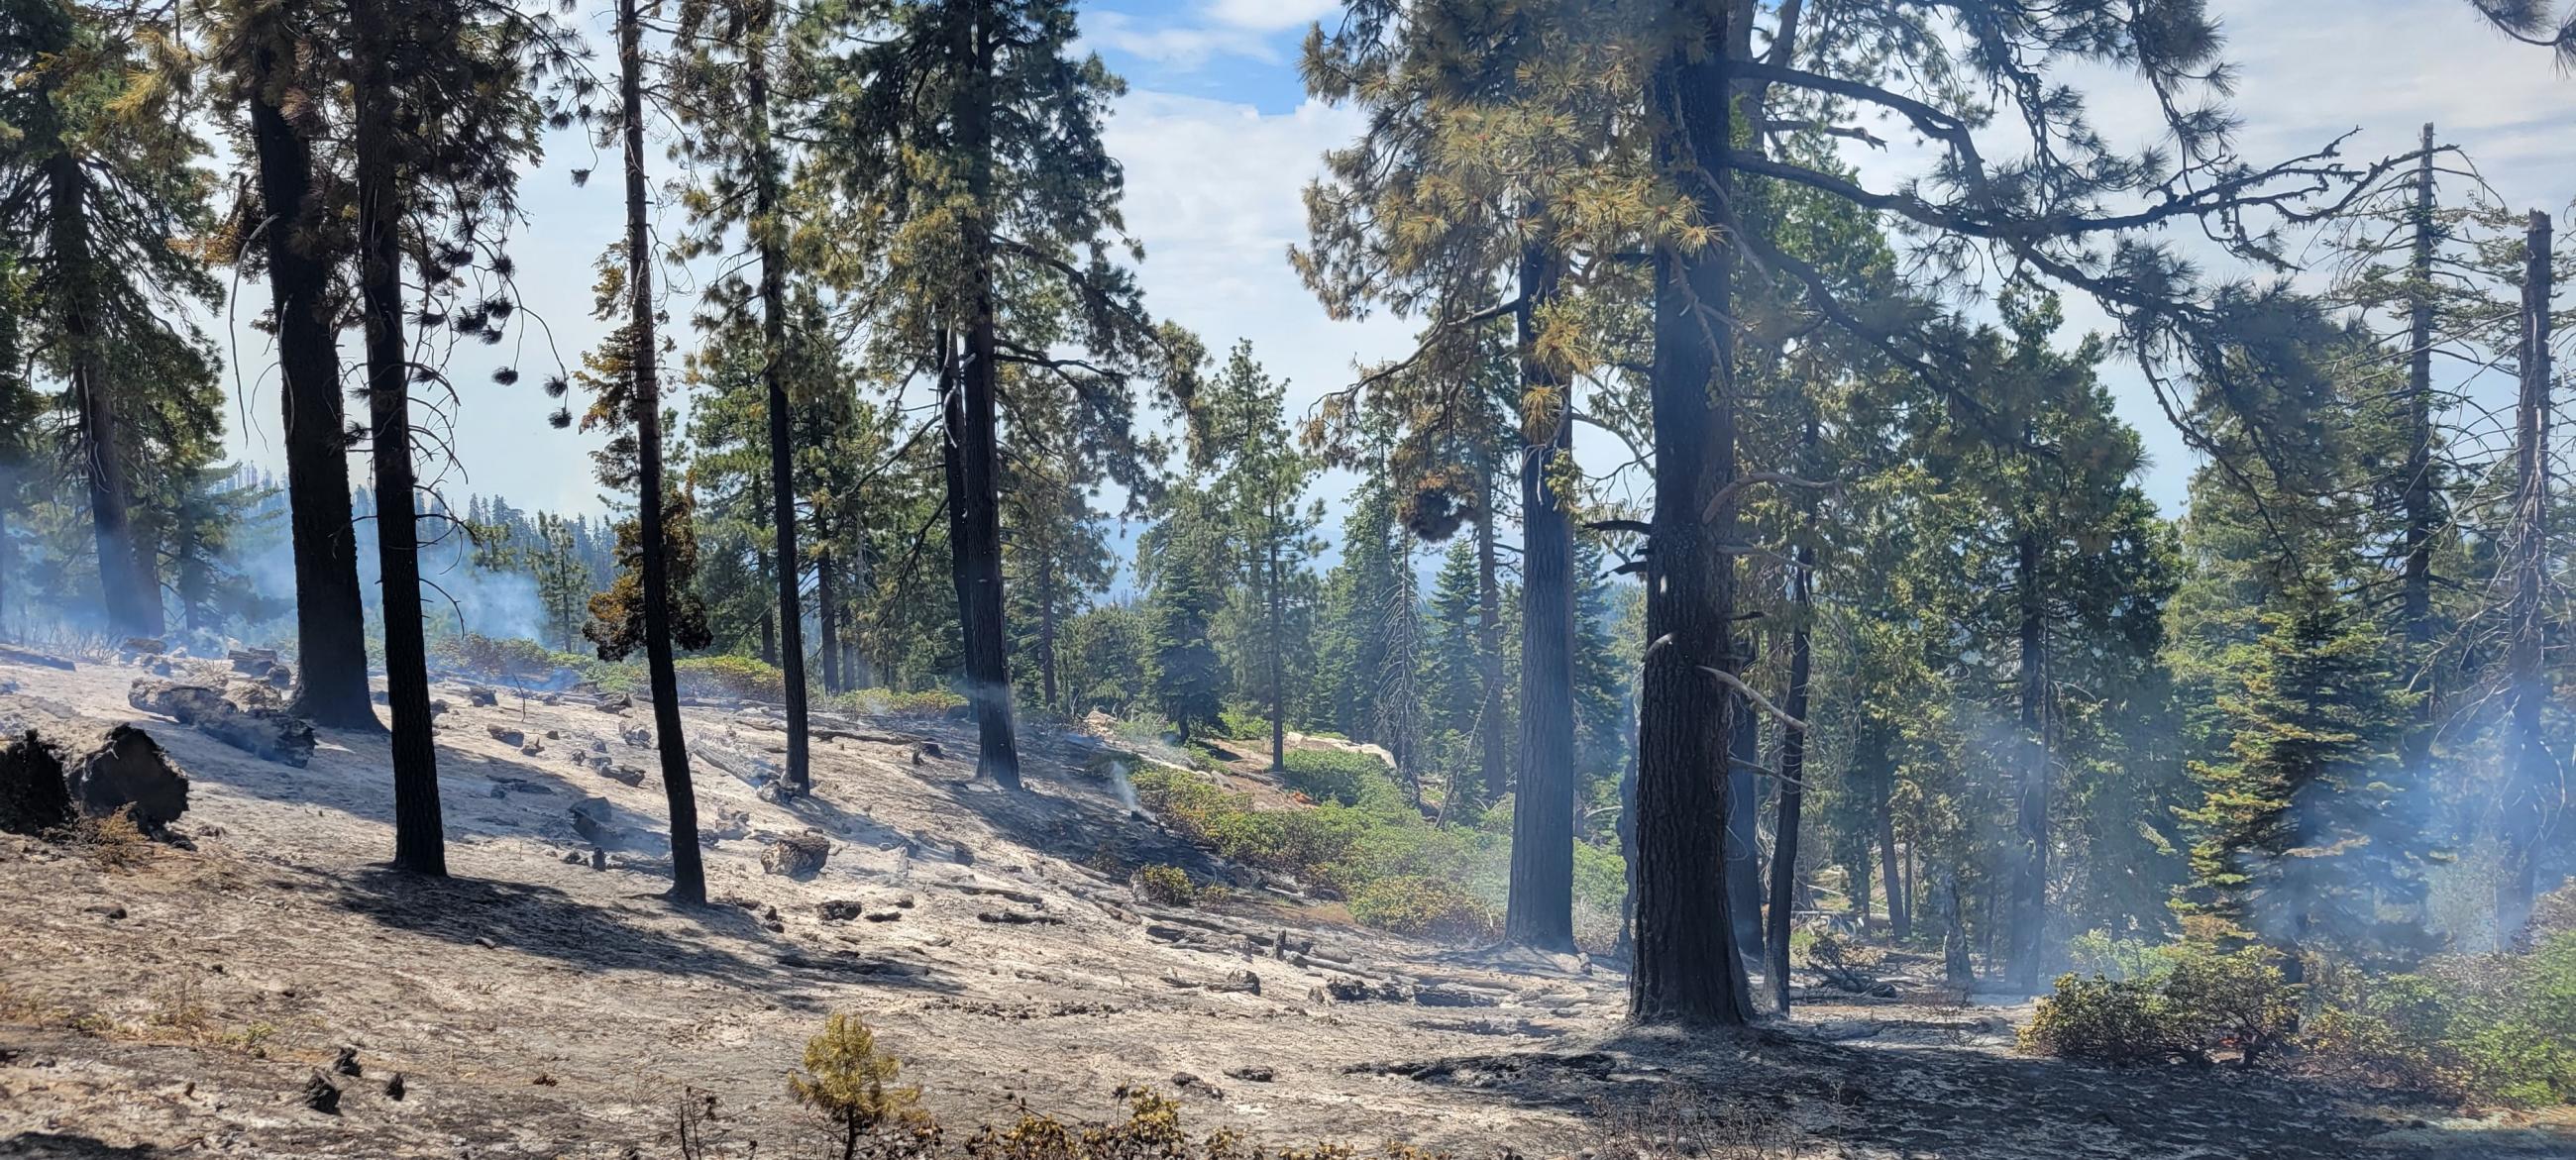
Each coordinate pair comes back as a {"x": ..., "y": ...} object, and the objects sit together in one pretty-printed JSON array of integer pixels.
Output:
[
  {"x": 33, "y": 798},
  {"x": 125, "y": 769},
  {"x": 796, "y": 855}
]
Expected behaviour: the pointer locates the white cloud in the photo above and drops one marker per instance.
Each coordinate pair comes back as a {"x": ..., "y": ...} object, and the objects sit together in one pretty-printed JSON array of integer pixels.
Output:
[
  {"x": 1180, "y": 46},
  {"x": 1272, "y": 15}
]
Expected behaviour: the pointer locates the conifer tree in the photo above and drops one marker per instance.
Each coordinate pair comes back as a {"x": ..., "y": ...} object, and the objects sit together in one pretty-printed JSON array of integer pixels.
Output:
[
  {"x": 1185, "y": 560},
  {"x": 964, "y": 149},
  {"x": 102, "y": 199},
  {"x": 1239, "y": 427}
]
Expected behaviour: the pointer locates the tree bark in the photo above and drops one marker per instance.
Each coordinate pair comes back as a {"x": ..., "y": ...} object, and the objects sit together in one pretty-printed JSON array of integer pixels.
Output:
[
  {"x": 330, "y": 617},
  {"x": 765, "y": 233},
  {"x": 1495, "y": 757},
  {"x": 2029, "y": 883},
  {"x": 1793, "y": 762},
  {"x": 827, "y": 623},
  {"x": 1540, "y": 910},
  {"x": 1744, "y": 820},
  {"x": 1686, "y": 968},
  {"x": 1048, "y": 693},
  {"x": 1900, "y": 906},
  {"x": 2423, "y": 516},
  {"x": 2526, "y": 806},
  {"x": 420, "y": 843},
  {"x": 988, "y": 669},
  {"x": 688, "y": 871},
  {"x": 1278, "y": 612}
]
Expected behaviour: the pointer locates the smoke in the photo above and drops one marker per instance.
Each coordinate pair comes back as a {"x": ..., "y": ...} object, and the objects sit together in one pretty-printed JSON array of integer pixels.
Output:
[{"x": 1124, "y": 788}]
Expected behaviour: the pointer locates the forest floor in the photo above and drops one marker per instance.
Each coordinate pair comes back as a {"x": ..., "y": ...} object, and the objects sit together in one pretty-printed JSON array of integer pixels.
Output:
[{"x": 536, "y": 1006}]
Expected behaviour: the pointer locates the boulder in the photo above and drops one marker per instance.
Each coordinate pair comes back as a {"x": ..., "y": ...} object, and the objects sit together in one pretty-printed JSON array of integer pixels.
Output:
[
  {"x": 637, "y": 736},
  {"x": 256, "y": 728},
  {"x": 481, "y": 697},
  {"x": 506, "y": 735},
  {"x": 796, "y": 855},
  {"x": 253, "y": 662},
  {"x": 626, "y": 774}
]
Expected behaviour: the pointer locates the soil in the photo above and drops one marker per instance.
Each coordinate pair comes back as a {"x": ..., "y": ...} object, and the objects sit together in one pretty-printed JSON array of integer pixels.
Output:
[{"x": 181, "y": 1004}]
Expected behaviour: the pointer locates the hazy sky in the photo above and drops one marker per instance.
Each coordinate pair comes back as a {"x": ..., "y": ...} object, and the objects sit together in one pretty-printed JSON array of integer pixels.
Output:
[{"x": 1218, "y": 139}]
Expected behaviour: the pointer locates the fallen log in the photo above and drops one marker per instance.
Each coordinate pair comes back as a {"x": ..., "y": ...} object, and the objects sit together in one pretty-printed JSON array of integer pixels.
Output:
[
  {"x": 24, "y": 657},
  {"x": 257, "y": 729}
]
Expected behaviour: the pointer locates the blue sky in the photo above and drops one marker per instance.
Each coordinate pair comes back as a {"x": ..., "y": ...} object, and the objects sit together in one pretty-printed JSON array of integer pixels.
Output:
[{"x": 1218, "y": 140}]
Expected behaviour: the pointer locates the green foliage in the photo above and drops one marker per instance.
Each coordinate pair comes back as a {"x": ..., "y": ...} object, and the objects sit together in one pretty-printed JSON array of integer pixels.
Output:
[
  {"x": 897, "y": 703},
  {"x": 1336, "y": 775},
  {"x": 2204, "y": 1003},
  {"x": 747, "y": 678},
  {"x": 1169, "y": 885},
  {"x": 2495, "y": 1029},
  {"x": 1420, "y": 905},
  {"x": 850, "y": 1082}
]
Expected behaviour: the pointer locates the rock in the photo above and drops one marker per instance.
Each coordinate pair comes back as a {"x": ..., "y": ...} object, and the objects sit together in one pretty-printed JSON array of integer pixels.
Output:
[
  {"x": 637, "y": 736},
  {"x": 33, "y": 796},
  {"x": 1251, "y": 1074},
  {"x": 320, "y": 1094},
  {"x": 1018, "y": 918},
  {"x": 1192, "y": 1084},
  {"x": 110, "y": 913},
  {"x": 281, "y": 677},
  {"x": 796, "y": 855},
  {"x": 598, "y": 745},
  {"x": 554, "y": 734},
  {"x": 480, "y": 697},
  {"x": 125, "y": 768},
  {"x": 532, "y": 749},
  {"x": 842, "y": 909},
  {"x": 438, "y": 708},
  {"x": 395, "y": 1087},
  {"x": 1238, "y": 983},
  {"x": 254, "y": 727},
  {"x": 253, "y": 662},
  {"x": 884, "y": 916},
  {"x": 573, "y": 858},
  {"x": 1452, "y": 997},
  {"x": 627, "y": 774},
  {"x": 346, "y": 1063},
  {"x": 597, "y": 822},
  {"x": 506, "y": 735},
  {"x": 730, "y": 825}
]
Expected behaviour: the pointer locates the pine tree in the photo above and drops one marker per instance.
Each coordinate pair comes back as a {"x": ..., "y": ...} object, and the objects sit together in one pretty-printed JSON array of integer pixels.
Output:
[
  {"x": 1185, "y": 561},
  {"x": 2305, "y": 843},
  {"x": 1240, "y": 427},
  {"x": 104, "y": 199},
  {"x": 964, "y": 147},
  {"x": 267, "y": 60}
]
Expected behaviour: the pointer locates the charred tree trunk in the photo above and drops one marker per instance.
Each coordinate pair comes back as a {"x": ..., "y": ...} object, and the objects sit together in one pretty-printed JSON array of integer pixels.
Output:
[
  {"x": 1744, "y": 820},
  {"x": 2423, "y": 515},
  {"x": 952, "y": 427},
  {"x": 767, "y": 234},
  {"x": 127, "y": 576},
  {"x": 1686, "y": 968},
  {"x": 1793, "y": 763},
  {"x": 1493, "y": 753},
  {"x": 855, "y": 667},
  {"x": 1956, "y": 970},
  {"x": 688, "y": 872},
  {"x": 420, "y": 843},
  {"x": 2028, "y": 914},
  {"x": 988, "y": 668},
  {"x": 2527, "y": 808},
  {"x": 1540, "y": 910},
  {"x": 827, "y": 623},
  {"x": 1900, "y": 904},
  {"x": 1047, "y": 691},
  {"x": 330, "y": 616},
  {"x": 1278, "y": 611}
]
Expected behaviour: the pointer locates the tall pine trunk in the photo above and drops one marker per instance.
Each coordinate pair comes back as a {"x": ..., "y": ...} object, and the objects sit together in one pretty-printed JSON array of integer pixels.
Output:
[
  {"x": 1277, "y": 607},
  {"x": 128, "y": 579},
  {"x": 1744, "y": 817},
  {"x": 1891, "y": 870},
  {"x": 2526, "y": 806},
  {"x": 1793, "y": 761},
  {"x": 420, "y": 843},
  {"x": 827, "y": 623},
  {"x": 688, "y": 871},
  {"x": 1048, "y": 693},
  {"x": 1686, "y": 968},
  {"x": 1540, "y": 909},
  {"x": 2028, "y": 914},
  {"x": 773, "y": 377},
  {"x": 1492, "y": 751},
  {"x": 988, "y": 668},
  {"x": 2423, "y": 516},
  {"x": 330, "y": 617}
]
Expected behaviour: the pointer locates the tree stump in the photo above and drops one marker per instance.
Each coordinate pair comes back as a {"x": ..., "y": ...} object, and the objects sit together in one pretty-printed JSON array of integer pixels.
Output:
[
  {"x": 796, "y": 855},
  {"x": 123, "y": 768},
  {"x": 32, "y": 795}
]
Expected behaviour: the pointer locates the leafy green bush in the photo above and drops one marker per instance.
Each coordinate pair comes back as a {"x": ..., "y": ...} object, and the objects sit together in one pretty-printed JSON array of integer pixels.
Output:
[
  {"x": 1420, "y": 905},
  {"x": 2205, "y": 1003},
  {"x": 2095, "y": 952},
  {"x": 501, "y": 658},
  {"x": 1336, "y": 775},
  {"x": 746, "y": 677},
  {"x": 1169, "y": 885},
  {"x": 2486, "y": 1028}
]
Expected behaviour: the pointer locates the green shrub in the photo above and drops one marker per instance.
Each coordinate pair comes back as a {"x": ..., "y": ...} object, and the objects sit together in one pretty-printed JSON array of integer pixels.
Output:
[
  {"x": 2206, "y": 1003},
  {"x": 1419, "y": 905},
  {"x": 1337, "y": 775},
  {"x": 1169, "y": 885},
  {"x": 501, "y": 658},
  {"x": 748, "y": 678},
  {"x": 2095, "y": 952},
  {"x": 2487, "y": 1028}
]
